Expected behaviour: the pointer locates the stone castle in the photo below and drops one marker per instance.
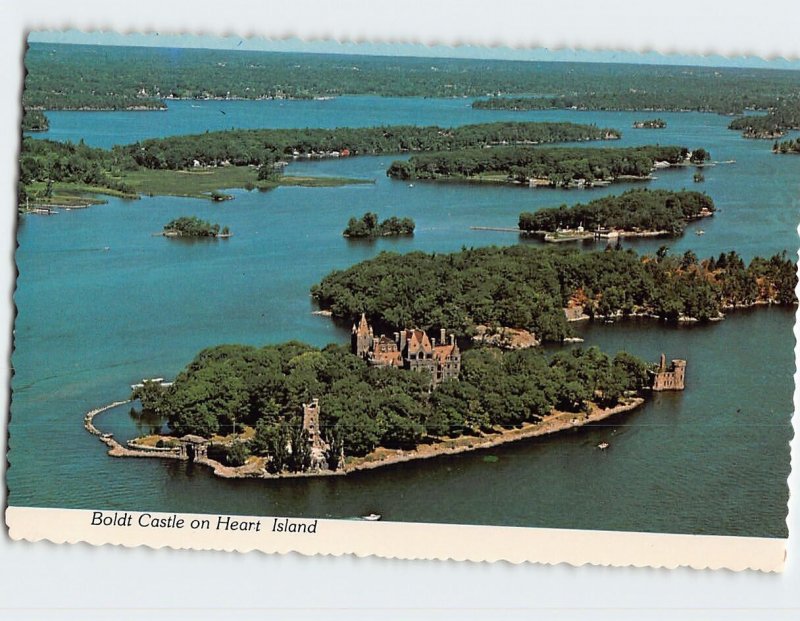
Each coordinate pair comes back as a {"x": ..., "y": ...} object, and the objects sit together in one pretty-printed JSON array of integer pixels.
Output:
[
  {"x": 669, "y": 377},
  {"x": 410, "y": 349}
]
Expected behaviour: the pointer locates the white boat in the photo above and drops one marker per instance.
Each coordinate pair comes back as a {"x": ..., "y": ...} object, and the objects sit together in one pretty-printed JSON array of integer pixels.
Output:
[
  {"x": 371, "y": 517},
  {"x": 699, "y": 232},
  {"x": 603, "y": 446}
]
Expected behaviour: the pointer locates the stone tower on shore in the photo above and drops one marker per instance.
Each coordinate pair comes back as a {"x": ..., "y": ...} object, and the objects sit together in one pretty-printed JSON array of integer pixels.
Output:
[{"x": 669, "y": 378}]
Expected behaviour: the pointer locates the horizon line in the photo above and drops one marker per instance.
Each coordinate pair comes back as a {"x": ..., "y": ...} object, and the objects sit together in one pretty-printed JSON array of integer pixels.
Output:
[{"x": 409, "y": 50}]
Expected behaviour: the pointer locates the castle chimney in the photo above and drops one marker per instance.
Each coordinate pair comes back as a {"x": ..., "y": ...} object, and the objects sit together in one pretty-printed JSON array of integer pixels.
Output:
[
  {"x": 402, "y": 340},
  {"x": 433, "y": 343},
  {"x": 663, "y": 365},
  {"x": 396, "y": 337},
  {"x": 442, "y": 336},
  {"x": 452, "y": 339}
]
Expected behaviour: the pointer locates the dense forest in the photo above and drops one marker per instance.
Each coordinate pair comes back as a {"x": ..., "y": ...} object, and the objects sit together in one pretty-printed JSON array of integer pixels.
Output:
[
  {"x": 778, "y": 120},
  {"x": 787, "y": 146},
  {"x": 84, "y": 76},
  {"x": 34, "y": 121},
  {"x": 558, "y": 166},
  {"x": 526, "y": 287},
  {"x": 266, "y": 146},
  {"x": 192, "y": 226},
  {"x": 368, "y": 226},
  {"x": 363, "y": 407},
  {"x": 694, "y": 90},
  {"x": 635, "y": 210}
]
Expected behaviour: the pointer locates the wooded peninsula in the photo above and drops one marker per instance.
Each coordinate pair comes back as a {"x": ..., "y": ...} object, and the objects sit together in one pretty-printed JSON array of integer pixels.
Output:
[
  {"x": 34, "y": 121},
  {"x": 635, "y": 211},
  {"x": 529, "y": 288},
  {"x": 779, "y": 119},
  {"x": 787, "y": 146},
  {"x": 550, "y": 166}
]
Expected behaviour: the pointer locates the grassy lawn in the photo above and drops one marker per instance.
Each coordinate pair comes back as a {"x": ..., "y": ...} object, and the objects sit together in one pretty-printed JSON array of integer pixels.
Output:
[
  {"x": 201, "y": 183},
  {"x": 190, "y": 183},
  {"x": 71, "y": 194}
]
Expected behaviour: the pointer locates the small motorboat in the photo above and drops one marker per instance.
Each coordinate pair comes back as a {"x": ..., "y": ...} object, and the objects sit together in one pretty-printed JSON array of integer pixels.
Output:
[
  {"x": 603, "y": 446},
  {"x": 699, "y": 232},
  {"x": 371, "y": 517}
]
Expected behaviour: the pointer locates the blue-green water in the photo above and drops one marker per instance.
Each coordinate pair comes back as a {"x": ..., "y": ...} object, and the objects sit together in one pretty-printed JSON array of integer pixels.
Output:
[{"x": 103, "y": 303}]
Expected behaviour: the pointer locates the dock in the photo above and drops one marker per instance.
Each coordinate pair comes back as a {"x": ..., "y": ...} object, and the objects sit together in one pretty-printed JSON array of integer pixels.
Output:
[{"x": 498, "y": 228}]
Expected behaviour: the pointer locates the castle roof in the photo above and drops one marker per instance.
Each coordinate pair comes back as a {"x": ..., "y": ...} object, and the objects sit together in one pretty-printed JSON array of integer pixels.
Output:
[
  {"x": 417, "y": 340},
  {"x": 363, "y": 326},
  {"x": 441, "y": 352}
]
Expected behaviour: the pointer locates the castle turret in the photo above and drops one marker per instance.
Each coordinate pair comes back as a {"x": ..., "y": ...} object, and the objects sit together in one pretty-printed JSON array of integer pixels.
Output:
[{"x": 361, "y": 338}]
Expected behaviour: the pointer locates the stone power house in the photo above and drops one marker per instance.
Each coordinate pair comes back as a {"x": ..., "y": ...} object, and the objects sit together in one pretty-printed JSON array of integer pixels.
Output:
[
  {"x": 410, "y": 349},
  {"x": 669, "y": 378}
]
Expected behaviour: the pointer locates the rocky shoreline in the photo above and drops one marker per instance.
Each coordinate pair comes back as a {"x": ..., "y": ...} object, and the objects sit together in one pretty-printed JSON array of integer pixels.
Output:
[{"x": 553, "y": 423}]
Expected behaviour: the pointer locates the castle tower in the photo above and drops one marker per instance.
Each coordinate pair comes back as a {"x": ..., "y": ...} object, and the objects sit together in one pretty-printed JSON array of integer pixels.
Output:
[
  {"x": 679, "y": 371},
  {"x": 669, "y": 378},
  {"x": 311, "y": 423},
  {"x": 361, "y": 338}
]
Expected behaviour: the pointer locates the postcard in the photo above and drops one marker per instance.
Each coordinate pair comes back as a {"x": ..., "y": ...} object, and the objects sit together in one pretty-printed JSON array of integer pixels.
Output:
[{"x": 417, "y": 307}]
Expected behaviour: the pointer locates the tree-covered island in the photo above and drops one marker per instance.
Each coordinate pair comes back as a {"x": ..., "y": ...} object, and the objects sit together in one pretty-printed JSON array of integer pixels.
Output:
[
  {"x": 640, "y": 212},
  {"x": 192, "y": 226},
  {"x": 530, "y": 288},
  {"x": 251, "y": 403},
  {"x": 368, "y": 227},
  {"x": 291, "y": 409},
  {"x": 55, "y": 173},
  {"x": 650, "y": 124},
  {"x": 546, "y": 166},
  {"x": 267, "y": 146}
]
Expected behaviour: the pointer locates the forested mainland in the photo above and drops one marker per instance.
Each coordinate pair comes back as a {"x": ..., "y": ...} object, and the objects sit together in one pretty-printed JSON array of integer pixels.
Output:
[
  {"x": 528, "y": 288},
  {"x": 259, "y": 393},
  {"x": 632, "y": 211},
  {"x": 782, "y": 111},
  {"x": 63, "y": 173},
  {"x": 368, "y": 226},
  {"x": 114, "y": 77},
  {"x": 554, "y": 166}
]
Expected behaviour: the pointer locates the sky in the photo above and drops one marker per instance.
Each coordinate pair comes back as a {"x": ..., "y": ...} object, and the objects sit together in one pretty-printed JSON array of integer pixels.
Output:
[{"x": 396, "y": 49}]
